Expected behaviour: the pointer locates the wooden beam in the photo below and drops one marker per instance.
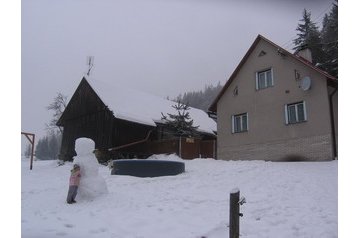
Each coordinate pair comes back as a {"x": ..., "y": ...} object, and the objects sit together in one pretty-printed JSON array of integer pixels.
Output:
[{"x": 32, "y": 142}]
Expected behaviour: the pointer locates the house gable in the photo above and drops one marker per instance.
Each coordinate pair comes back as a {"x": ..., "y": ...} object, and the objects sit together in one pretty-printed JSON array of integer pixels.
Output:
[{"x": 332, "y": 81}]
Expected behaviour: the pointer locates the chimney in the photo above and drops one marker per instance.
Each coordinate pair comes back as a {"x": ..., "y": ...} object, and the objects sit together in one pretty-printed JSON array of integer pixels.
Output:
[{"x": 305, "y": 53}]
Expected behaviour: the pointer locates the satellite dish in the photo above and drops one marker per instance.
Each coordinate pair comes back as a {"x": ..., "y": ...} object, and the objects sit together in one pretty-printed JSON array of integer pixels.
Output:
[{"x": 305, "y": 83}]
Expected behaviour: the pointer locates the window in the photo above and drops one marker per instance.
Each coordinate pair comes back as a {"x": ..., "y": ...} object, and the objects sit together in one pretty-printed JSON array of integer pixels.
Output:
[
  {"x": 240, "y": 123},
  {"x": 295, "y": 112},
  {"x": 264, "y": 79}
]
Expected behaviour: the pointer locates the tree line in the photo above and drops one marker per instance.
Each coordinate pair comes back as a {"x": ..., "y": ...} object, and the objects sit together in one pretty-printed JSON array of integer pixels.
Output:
[
  {"x": 322, "y": 43},
  {"x": 200, "y": 99},
  {"x": 48, "y": 147}
]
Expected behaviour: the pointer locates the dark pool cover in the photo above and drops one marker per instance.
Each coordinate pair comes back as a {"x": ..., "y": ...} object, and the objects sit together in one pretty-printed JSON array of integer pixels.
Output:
[{"x": 147, "y": 168}]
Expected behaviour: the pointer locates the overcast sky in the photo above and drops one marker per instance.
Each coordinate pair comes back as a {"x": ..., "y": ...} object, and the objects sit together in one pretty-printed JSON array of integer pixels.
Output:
[{"x": 164, "y": 47}]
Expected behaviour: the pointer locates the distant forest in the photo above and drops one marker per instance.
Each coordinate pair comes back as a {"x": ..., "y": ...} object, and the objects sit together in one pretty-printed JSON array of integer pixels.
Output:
[{"x": 200, "y": 99}]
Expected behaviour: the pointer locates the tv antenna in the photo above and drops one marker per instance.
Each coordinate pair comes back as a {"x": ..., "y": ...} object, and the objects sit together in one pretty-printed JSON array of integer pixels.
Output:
[{"x": 90, "y": 61}]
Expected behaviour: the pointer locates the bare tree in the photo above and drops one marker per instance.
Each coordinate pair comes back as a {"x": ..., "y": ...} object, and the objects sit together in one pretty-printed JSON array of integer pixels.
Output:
[{"x": 57, "y": 106}]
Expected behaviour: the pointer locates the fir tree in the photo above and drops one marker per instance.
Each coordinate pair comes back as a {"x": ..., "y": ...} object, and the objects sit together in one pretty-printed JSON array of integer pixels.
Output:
[
  {"x": 54, "y": 145},
  {"x": 201, "y": 99},
  {"x": 28, "y": 151},
  {"x": 308, "y": 35},
  {"x": 42, "y": 149},
  {"x": 48, "y": 147},
  {"x": 181, "y": 122},
  {"x": 329, "y": 35}
]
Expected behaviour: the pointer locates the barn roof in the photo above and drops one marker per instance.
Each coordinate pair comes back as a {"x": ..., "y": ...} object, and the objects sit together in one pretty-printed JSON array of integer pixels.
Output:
[{"x": 144, "y": 108}]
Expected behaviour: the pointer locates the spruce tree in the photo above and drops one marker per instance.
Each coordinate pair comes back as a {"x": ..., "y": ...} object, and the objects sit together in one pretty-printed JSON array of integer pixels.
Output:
[
  {"x": 28, "y": 151},
  {"x": 54, "y": 145},
  {"x": 201, "y": 99},
  {"x": 329, "y": 35},
  {"x": 41, "y": 149},
  {"x": 308, "y": 35},
  {"x": 48, "y": 147},
  {"x": 181, "y": 122}
]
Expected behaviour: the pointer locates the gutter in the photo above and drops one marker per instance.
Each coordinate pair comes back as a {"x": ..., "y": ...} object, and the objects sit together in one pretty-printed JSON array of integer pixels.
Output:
[
  {"x": 212, "y": 115},
  {"x": 333, "y": 128},
  {"x": 132, "y": 143}
]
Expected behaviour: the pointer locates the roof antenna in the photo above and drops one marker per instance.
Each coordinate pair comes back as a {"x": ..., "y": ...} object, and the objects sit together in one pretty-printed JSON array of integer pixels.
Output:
[{"x": 90, "y": 60}]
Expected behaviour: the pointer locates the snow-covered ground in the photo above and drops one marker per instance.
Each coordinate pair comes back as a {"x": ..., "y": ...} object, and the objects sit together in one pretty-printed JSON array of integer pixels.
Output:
[{"x": 297, "y": 199}]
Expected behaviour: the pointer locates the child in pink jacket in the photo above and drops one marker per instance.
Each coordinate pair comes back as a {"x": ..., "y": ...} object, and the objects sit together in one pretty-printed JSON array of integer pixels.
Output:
[{"x": 74, "y": 182}]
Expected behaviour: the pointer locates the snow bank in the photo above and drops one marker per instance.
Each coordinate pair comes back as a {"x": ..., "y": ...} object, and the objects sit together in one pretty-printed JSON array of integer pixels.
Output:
[
  {"x": 170, "y": 157},
  {"x": 286, "y": 199},
  {"x": 91, "y": 184}
]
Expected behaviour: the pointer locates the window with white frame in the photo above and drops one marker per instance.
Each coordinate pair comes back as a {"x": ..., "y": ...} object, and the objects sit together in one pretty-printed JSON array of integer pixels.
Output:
[
  {"x": 240, "y": 123},
  {"x": 295, "y": 112},
  {"x": 264, "y": 79}
]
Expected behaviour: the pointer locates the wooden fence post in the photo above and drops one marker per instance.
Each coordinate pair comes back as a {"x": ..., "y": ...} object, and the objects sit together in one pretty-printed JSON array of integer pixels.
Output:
[
  {"x": 234, "y": 214},
  {"x": 31, "y": 138}
]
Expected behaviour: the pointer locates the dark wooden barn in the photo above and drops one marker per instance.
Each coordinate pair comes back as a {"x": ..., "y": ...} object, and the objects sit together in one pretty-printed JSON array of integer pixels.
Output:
[{"x": 118, "y": 135}]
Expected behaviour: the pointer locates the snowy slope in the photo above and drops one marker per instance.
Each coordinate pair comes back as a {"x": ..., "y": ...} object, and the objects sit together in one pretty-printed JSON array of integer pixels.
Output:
[
  {"x": 144, "y": 108},
  {"x": 283, "y": 200}
]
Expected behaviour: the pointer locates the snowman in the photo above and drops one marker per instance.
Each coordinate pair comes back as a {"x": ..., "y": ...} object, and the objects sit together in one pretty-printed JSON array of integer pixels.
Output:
[{"x": 92, "y": 183}]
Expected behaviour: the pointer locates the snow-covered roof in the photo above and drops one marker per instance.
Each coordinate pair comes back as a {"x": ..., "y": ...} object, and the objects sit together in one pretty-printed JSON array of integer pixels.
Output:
[{"x": 144, "y": 108}]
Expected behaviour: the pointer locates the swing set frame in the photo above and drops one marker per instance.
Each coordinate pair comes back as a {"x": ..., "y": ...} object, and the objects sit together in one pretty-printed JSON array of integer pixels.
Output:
[{"x": 31, "y": 138}]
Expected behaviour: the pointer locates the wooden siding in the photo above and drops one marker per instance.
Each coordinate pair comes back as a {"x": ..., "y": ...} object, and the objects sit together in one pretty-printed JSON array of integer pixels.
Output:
[{"x": 87, "y": 116}]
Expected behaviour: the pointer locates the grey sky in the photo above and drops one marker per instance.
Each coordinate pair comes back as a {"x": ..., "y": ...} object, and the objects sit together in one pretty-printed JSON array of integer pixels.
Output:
[{"x": 165, "y": 47}]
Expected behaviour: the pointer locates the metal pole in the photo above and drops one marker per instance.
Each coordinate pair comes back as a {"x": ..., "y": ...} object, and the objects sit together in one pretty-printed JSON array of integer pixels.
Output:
[{"x": 180, "y": 146}]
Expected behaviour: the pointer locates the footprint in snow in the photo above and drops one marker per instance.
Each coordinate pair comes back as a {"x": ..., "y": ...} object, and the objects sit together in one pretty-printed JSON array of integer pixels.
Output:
[{"x": 69, "y": 225}]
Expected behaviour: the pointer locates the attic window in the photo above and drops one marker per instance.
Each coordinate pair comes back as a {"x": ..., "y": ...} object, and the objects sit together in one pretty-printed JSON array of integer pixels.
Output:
[
  {"x": 264, "y": 79},
  {"x": 262, "y": 53}
]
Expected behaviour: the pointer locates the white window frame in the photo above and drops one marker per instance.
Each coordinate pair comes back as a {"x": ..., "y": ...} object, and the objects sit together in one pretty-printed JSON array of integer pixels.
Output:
[
  {"x": 239, "y": 117},
  {"x": 295, "y": 105},
  {"x": 266, "y": 83}
]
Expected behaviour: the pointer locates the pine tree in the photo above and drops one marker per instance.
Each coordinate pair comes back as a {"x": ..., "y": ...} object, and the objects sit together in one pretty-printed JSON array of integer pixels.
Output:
[
  {"x": 54, "y": 145},
  {"x": 48, "y": 147},
  {"x": 329, "y": 35},
  {"x": 309, "y": 36},
  {"x": 28, "y": 151},
  {"x": 181, "y": 122},
  {"x": 41, "y": 148},
  {"x": 201, "y": 99}
]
